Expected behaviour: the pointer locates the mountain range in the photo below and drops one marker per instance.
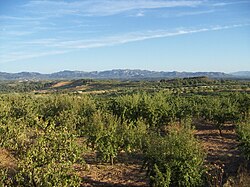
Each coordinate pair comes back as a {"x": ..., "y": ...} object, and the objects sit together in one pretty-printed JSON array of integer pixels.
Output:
[
  {"x": 117, "y": 74},
  {"x": 241, "y": 74}
]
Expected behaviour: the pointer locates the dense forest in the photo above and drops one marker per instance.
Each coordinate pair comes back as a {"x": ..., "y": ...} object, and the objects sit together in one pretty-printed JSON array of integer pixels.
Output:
[{"x": 47, "y": 128}]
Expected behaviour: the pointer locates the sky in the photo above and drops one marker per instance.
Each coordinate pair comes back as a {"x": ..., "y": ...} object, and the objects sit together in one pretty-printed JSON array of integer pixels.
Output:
[{"x": 94, "y": 35}]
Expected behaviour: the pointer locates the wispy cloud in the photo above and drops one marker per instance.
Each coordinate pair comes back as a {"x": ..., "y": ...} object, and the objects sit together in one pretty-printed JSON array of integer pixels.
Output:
[
  {"x": 139, "y": 14},
  {"x": 103, "y": 7},
  {"x": 137, "y": 36},
  {"x": 5, "y": 17},
  {"x": 44, "y": 9},
  {"x": 15, "y": 56},
  {"x": 192, "y": 13},
  {"x": 175, "y": 14},
  {"x": 15, "y": 33},
  {"x": 230, "y": 3},
  {"x": 61, "y": 46}
]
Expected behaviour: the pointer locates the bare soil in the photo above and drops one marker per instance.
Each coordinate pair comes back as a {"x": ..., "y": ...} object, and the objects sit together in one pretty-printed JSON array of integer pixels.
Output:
[
  {"x": 6, "y": 159},
  {"x": 127, "y": 171},
  {"x": 60, "y": 84},
  {"x": 221, "y": 150}
]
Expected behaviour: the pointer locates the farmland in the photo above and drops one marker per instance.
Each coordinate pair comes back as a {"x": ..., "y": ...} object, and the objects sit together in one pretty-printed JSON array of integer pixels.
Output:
[{"x": 165, "y": 132}]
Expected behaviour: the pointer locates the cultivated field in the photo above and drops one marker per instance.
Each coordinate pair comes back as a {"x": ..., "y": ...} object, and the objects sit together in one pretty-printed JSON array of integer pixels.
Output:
[{"x": 178, "y": 132}]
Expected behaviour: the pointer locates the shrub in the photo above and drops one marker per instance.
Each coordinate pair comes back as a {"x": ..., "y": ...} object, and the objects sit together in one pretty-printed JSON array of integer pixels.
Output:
[
  {"x": 243, "y": 132},
  {"x": 49, "y": 160},
  {"x": 175, "y": 159},
  {"x": 108, "y": 135}
]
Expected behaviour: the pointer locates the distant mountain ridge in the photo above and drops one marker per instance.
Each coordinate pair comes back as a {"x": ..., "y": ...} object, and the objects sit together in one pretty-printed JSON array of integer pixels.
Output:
[
  {"x": 109, "y": 74},
  {"x": 241, "y": 73}
]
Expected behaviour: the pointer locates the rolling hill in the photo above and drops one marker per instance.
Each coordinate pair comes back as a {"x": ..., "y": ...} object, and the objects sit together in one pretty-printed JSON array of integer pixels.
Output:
[{"x": 109, "y": 74}]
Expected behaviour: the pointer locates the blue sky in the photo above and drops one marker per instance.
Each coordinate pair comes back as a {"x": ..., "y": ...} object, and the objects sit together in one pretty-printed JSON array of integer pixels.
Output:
[{"x": 163, "y": 35}]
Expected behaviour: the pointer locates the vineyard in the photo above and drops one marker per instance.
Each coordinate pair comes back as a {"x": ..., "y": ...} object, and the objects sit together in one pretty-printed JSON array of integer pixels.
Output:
[{"x": 125, "y": 133}]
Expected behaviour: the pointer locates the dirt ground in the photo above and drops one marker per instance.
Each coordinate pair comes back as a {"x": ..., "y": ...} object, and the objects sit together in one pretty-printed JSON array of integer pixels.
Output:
[
  {"x": 221, "y": 150},
  {"x": 127, "y": 169}
]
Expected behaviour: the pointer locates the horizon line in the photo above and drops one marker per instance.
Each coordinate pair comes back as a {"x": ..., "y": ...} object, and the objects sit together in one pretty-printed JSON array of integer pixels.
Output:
[{"x": 123, "y": 69}]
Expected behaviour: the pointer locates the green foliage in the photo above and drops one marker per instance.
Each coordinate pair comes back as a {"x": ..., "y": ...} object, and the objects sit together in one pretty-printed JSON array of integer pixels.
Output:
[
  {"x": 161, "y": 179},
  {"x": 48, "y": 160},
  {"x": 214, "y": 175},
  {"x": 64, "y": 110},
  {"x": 107, "y": 145},
  {"x": 175, "y": 159},
  {"x": 109, "y": 135},
  {"x": 155, "y": 110},
  {"x": 5, "y": 181},
  {"x": 52, "y": 174},
  {"x": 23, "y": 86},
  {"x": 17, "y": 107},
  {"x": 221, "y": 110},
  {"x": 243, "y": 101},
  {"x": 45, "y": 149},
  {"x": 42, "y": 132},
  {"x": 243, "y": 132},
  {"x": 15, "y": 136}
]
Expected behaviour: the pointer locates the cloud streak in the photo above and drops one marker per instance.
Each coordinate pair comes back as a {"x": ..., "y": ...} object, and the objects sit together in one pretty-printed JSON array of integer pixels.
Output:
[
  {"x": 103, "y": 7},
  {"x": 14, "y": 56},
  {"x": 109, "y": 7},
  {"x": 137, "y": 36},
  {"x": 56, "y": 46},
  {"x": 230, "y": 3}
]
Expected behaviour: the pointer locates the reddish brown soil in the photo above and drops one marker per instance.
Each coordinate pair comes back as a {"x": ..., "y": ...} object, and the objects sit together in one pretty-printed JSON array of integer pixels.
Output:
[
  {"x": 6, "y": 159},
  {"x": 221, "y": 150},
  {"x": 60, "y": 84},
  {"x": 125, "y": 172}
]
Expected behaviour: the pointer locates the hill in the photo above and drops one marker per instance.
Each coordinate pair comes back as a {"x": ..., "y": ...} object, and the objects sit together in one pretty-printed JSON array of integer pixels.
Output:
[
  {"x": 109, "y": 74},
  {"x": 244, "y": 74}
]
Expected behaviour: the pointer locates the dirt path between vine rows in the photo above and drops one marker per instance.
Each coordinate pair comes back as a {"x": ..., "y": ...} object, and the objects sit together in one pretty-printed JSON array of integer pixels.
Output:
[
  {"x": 221, "y": 150},
  {"x": 127, "y": 171}
]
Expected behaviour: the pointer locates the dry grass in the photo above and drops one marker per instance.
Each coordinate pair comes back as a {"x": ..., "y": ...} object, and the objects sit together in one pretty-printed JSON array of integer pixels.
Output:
[
  {"x": 60, "y": 84},
  {"x": 6, "y": 159}
]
